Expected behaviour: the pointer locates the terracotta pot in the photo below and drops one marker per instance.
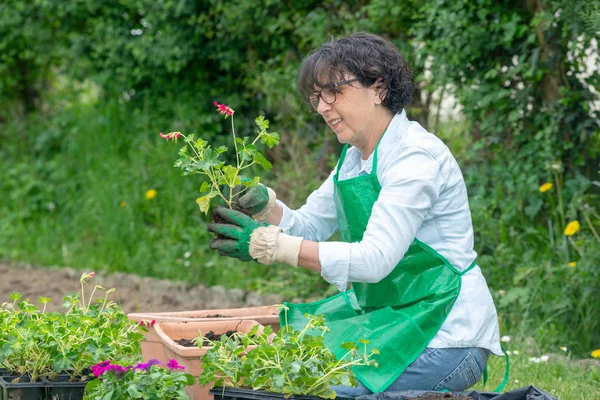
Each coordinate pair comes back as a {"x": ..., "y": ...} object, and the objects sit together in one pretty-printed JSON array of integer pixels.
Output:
[
  {"x": 189, "y": 357},
  {"x": 152, "y": 346}
]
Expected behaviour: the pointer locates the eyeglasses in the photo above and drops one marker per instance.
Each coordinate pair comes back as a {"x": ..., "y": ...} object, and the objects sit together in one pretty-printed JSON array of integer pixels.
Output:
[{"x": 328, "y": 95}]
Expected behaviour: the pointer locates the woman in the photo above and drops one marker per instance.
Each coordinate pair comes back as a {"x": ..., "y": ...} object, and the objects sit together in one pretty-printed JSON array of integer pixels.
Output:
[{"x": 398, "y": 198}]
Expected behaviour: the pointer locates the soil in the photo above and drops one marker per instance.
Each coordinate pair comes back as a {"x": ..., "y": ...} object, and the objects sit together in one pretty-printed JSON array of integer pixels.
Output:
[
  {"x": 217, "y": 316},
  {"x": 208, "y": 337},
  {"x": 441, "y": 396},
  {"x": 218, "y": 220},
  {"x": 132, "y": 293}
]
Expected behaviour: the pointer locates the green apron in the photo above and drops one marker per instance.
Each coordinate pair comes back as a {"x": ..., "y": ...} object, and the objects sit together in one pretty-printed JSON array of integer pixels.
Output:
[{"x": 399, "y": 315}]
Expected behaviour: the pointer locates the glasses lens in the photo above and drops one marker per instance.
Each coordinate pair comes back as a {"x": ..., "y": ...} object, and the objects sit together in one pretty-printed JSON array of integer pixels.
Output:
[
  {"x": 328, "y": 96},
  {"x": 314, "y": 101}
]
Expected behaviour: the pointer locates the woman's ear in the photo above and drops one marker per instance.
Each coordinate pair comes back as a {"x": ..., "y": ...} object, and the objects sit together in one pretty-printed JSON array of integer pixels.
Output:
[{"x": 380, "y": 91}]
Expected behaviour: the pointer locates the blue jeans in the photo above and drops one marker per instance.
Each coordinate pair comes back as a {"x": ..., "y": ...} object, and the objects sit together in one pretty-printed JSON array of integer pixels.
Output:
[{"x": 453, "y": 369}]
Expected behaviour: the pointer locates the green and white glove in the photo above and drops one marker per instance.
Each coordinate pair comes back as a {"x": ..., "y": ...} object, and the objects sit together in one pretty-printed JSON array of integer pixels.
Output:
[
  {"x": 247, "y": 239},
  {"x": 258, "y": 200}
]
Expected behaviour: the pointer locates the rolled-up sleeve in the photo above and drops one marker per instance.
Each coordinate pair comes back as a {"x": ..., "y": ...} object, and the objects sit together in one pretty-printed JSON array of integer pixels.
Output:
[{"x": 410, "y": 185}]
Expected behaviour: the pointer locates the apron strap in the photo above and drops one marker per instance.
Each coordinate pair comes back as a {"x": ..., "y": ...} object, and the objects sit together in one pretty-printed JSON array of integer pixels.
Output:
[
  {"x": 473, "y": 265},
  {"x": 340, "y": 162},
  {"x": 502, "y": 384}
]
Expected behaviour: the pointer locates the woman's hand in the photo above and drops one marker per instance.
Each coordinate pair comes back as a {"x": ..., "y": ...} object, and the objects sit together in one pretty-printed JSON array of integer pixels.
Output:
[
  {"x": 247, "y": 239},
  {"x": 236, "y": 231},
  {"x": 258, "y": 200}
]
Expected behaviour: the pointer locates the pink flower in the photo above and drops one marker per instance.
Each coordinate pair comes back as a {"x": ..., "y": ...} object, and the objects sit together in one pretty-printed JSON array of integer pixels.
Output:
[
  {"x": 117, "y": 369},
  {"x": 147, "y": 365},
  {"x": 153, "y": 322},
  {"x": 172, "y": 135},
  {"x": 223, "y": 109},
  {"x": 99, "y": 368},
  {"x": 92, "y": 274},
  {"x": 173, "y": 364}
]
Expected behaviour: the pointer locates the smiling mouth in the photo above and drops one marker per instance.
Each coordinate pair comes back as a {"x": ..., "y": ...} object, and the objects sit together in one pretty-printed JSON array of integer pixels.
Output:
[{"x": 335, "y": 122}]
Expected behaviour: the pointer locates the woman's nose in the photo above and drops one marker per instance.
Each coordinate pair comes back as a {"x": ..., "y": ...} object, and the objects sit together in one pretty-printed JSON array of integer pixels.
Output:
[{"x": 323, "y": 107}]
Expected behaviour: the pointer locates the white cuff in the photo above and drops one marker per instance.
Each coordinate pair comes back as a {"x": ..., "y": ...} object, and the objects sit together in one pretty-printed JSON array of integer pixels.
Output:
[
  {"x": 336, "y": 260},
  {"x": 264, "y": 214},
  {"x": 269, "y": 244}
]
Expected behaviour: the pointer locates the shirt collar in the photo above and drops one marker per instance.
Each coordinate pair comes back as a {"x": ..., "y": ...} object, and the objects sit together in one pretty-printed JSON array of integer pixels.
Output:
[{"x": 398, "y": 125}]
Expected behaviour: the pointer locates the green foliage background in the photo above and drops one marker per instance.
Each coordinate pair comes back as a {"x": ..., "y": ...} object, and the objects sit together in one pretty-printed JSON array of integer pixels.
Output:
[{"x": 85, "y": 87}]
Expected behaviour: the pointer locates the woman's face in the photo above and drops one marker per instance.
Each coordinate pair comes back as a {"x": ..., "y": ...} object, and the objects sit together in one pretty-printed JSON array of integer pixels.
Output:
[{"x": 354, "y": 114}]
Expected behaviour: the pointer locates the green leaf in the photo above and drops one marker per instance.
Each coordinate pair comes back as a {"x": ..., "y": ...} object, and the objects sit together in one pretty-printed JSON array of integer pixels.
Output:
[
  {"x": 262, "y": 123},
  {"x": 200, "y": 144},
  {"x": 348, "y": 345},
  {"x": 189, "y": 379},
  {"x": 232, "y": 175},
  {"x": 205, "y": 187},
  {"x": 252, "y": 182},
  {"x": 269, "y": 139},
  {"x": 190, "y": 138},
  {"x": 212, "y": 194},
  {"x": 262, "y": 161},
  {"x": 203, "y": 203},
  {"x": 134, "y": 392},
  {"x": 108, "y": 395},
  {"x": 247, "y": 153}
]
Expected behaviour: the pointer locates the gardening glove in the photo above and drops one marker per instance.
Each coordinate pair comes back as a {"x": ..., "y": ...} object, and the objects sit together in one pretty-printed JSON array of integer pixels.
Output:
[
  {"x": 247, "y": 239},
  {"x": 257, "y": 200}
]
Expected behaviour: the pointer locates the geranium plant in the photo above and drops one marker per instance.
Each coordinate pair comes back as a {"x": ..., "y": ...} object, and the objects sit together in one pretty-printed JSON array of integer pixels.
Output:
[
  {"x": 290, "y": 362},
  {"x": 149, "y": 381},
  {"x": 199, "y": 157},
  {"x": 37, "y": 343}
]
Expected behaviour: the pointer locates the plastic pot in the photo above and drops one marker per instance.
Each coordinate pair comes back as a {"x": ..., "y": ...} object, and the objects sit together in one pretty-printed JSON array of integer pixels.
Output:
[
  {"x": 22, "y": 390},
  {"x": 228, "y": 393}
]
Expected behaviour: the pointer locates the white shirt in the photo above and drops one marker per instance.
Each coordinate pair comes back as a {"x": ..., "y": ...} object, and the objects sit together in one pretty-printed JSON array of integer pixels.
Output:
[{"x": 423, "y": 195}]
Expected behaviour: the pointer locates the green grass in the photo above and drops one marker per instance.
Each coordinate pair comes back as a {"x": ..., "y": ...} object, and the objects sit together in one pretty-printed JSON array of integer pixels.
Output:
[{"x": 561, "y": 377}]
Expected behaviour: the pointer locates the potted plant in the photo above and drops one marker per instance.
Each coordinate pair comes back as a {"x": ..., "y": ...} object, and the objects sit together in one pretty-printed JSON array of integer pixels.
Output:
[
  {"x": 54, "y": 350},
  {"x": 187, "y": 342},
  {"x": 23, "y": 354},
  {"x": 150, "y": 381},
  {"x": 290, "y": 363}
]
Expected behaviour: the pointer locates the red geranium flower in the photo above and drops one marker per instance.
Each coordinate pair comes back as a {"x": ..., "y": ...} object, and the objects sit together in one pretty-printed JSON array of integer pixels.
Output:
[{"x": 223, "y": 109}]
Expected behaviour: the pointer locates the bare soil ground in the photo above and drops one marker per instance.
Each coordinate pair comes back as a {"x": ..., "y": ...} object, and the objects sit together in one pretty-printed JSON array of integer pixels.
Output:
[{"x": 133, "y": 293}]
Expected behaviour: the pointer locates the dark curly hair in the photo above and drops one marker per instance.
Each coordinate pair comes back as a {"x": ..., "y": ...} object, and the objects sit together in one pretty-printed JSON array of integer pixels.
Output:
[{"x": 368, "y": 57}]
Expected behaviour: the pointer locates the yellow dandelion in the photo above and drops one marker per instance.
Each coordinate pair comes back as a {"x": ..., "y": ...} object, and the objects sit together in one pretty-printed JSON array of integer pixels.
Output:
[
  {"x": 572, "y": 228},
  {"x": 572, "y": 263},
  {"x": 545, "y": 187},
  {"x": 596, "y": 353},
  {"x": 150, "y": 194},
  {"x": 123, "y": 204}
]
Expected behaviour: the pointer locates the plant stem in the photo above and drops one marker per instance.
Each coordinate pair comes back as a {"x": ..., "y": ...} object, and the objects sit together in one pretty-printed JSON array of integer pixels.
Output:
[
  {"x": 589, "y": 222},
  {"x": 560, "y": 199},
  {"x": 237, "y": 157}
]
